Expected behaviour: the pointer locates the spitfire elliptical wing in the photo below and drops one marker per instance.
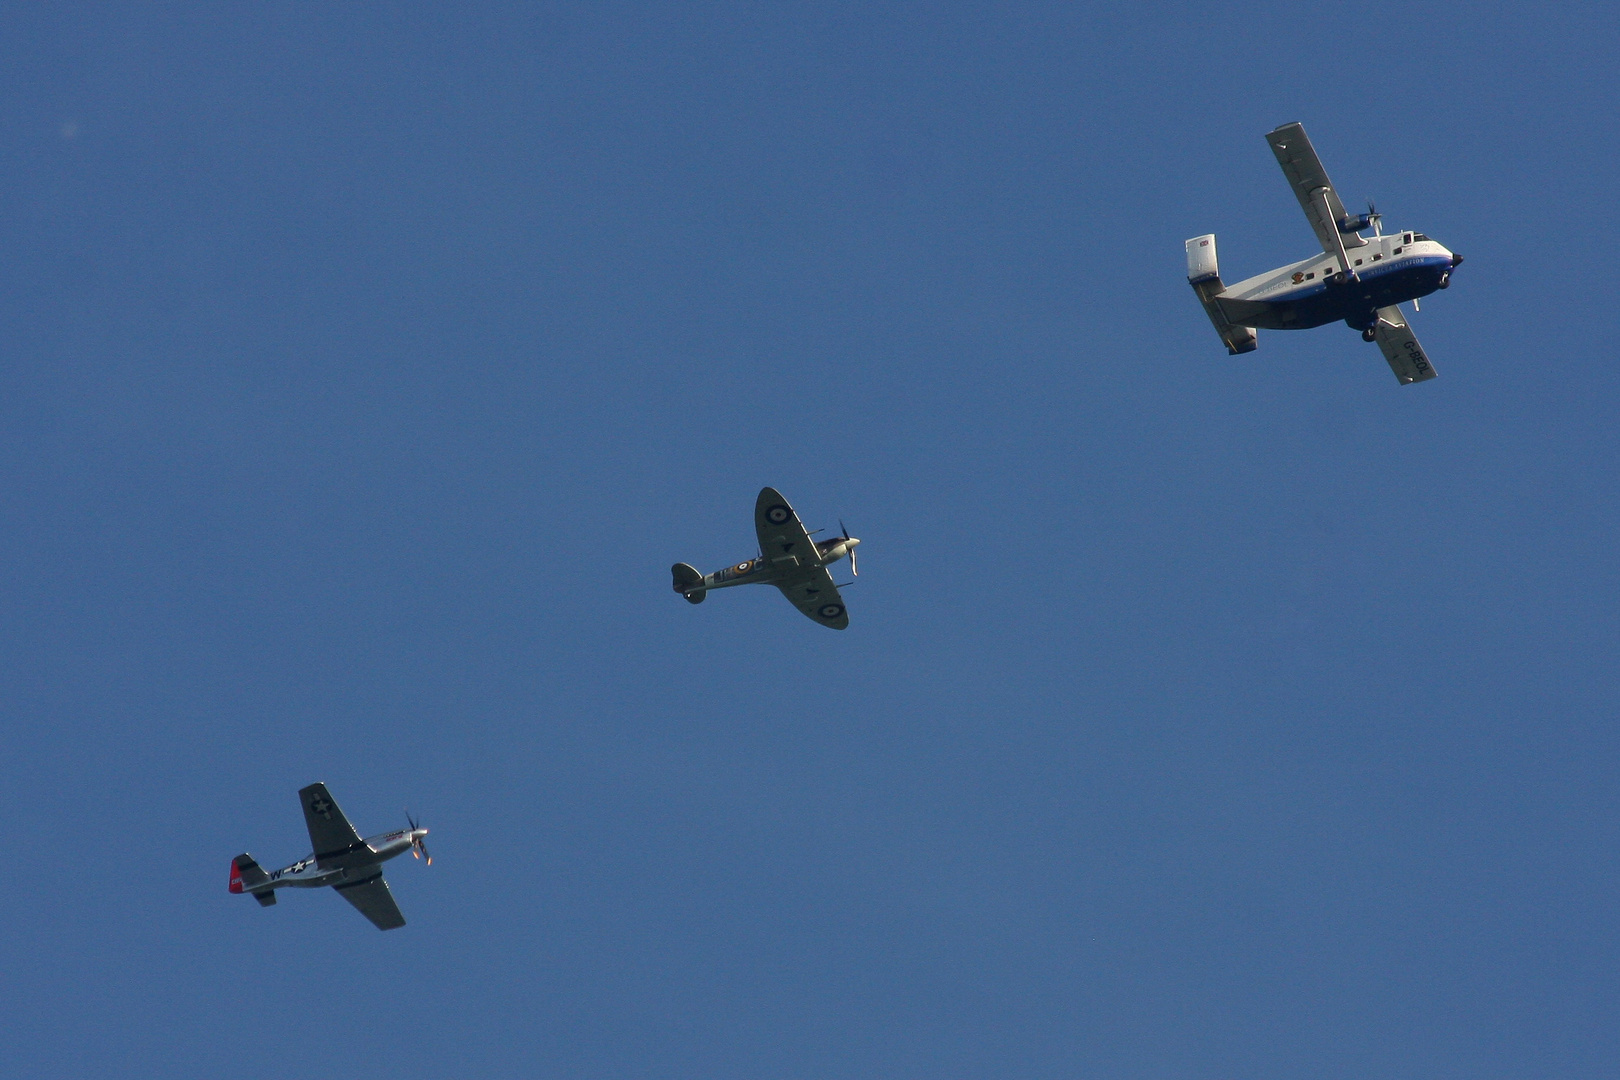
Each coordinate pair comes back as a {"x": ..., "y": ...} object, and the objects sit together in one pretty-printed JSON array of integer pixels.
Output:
[
  {"x": 373, "y": 900},
  {"x": 817, "y": 596},
  {"x": 1400, "y": 347},
  {"x": 330, "y": 834},
  {"x": 783, "y": 542},
  {"x": 1312, "y": 187}
]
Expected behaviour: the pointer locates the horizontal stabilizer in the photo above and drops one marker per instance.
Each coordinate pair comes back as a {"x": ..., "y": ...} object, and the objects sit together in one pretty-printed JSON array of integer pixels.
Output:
[
  {"x": 687, "y": 578},
  {"x": 265, "y": 898},
  {"x": 247, "y": 875}
]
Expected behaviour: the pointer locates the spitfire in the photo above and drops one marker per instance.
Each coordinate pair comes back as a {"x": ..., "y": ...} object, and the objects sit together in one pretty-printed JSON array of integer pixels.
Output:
[
  {"x": 788, "y": 558},
  {"x": 1362, "y": 280},
  {"x": 350, "y": 865}
]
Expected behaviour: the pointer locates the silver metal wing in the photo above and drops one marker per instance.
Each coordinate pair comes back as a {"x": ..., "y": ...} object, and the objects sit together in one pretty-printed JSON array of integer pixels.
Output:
[
  {"x": 1400, "y": 347},
  {"x": 373, "y": 900},
  {"x": 330, "y": 834},
  {"x": 1312, "y": 187}
]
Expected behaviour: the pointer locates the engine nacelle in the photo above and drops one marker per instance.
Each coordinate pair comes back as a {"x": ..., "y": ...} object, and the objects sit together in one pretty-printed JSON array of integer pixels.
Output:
[{"x": 1354, "y": 223}]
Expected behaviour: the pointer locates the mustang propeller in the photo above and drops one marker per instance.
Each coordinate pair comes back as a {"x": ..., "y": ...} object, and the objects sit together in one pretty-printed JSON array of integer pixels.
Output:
[{"x": 418, "y": 845}]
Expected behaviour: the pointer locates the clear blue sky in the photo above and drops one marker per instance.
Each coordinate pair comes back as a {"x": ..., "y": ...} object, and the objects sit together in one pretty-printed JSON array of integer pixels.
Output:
[{"x": 1199, "y": 717}]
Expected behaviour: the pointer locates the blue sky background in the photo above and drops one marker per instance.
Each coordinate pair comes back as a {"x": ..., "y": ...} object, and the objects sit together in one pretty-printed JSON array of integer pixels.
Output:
[{"x": 1206, "y": 717}]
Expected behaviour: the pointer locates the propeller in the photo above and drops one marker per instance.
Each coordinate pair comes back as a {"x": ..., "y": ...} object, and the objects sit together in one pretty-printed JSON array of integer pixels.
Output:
[
  {"x": 1354, "y": 223},
  {"x": 418, "y": 845},
  {"x": 852, "y": 567}
]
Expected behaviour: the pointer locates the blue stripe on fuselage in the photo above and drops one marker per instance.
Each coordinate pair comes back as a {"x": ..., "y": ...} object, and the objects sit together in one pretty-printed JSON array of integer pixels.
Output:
[{"x": 1316, "y": 304}]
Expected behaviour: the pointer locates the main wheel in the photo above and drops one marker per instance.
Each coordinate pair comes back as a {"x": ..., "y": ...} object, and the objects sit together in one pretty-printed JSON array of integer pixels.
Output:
[{"x": 1369, "y": 334}]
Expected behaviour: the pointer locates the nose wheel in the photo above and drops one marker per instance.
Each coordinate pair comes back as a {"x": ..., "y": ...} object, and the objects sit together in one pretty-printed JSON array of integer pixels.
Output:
[{"x": 1369, "y": 334}]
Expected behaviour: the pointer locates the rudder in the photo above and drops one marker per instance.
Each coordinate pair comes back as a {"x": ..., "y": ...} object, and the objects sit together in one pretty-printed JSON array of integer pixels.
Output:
[
  {"x": 248, "y": 876},
  {"x": 1204, "y": 275}
]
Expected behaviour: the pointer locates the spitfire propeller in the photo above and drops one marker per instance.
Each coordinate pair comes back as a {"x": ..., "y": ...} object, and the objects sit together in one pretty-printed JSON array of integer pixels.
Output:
[
  {"x": 850, "y": 548},
  {"x": 418, "y": 845}
]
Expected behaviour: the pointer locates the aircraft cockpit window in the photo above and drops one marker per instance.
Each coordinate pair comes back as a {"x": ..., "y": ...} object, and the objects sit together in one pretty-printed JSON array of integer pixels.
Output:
[
  {"x": 1418, "y": 237},
  {"x": 1408, "y": 239}
]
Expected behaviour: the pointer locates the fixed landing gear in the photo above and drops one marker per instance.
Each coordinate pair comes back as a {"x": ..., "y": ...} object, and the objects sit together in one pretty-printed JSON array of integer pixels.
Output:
[
  {"x": 1445, "y": 281},
  {"x": 1369, "y": 334}
]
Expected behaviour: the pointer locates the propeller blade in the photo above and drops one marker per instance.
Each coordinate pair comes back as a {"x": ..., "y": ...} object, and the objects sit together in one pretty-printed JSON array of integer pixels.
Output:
[
  {"x": 418, "y": 846},
  {"x": 852, "y": 567},
  {"x": 844, "y": 527}
]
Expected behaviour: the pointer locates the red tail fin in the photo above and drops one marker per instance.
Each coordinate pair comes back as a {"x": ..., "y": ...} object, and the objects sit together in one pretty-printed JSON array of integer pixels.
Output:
[{"x": 236, "y": 878}]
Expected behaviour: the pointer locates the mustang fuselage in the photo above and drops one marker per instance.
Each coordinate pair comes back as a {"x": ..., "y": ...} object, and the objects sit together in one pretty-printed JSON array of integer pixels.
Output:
[{"x": 356, "y": 862}]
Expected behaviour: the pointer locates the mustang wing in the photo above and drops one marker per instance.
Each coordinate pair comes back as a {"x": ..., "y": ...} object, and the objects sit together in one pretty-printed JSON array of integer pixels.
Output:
[
  {"x": 815, "y": 594},
  {"x": 783, "y": 542},
  {"x": 1406, "y": 357},
  {"x": 1312, "y": 187},
  {"x": 329, "y": 831},
  {"x": 374, "y": 901}
]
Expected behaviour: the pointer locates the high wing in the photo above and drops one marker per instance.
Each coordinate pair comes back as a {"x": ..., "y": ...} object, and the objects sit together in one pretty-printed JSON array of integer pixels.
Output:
[
  {"x": 815, "y": 594},
  {"x": 1312, "y": 187},
  {"x": 371, "y": 898},
  {"x": 330, "y": 833},
  {"x": 1400, "y": 346},
  {"x": 783, "y": 543}
]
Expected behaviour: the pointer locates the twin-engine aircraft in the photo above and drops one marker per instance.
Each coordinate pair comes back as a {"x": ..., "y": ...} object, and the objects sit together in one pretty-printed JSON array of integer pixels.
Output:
[
  {"x": 1360, "y": 279},
  {"x": 788, "y": 559},
  {"x": 341, "y": 859}
]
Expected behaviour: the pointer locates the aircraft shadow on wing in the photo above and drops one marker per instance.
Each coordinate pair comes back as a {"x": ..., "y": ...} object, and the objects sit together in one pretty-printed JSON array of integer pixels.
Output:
[
  {"x": 789, "y": 558},
  {"x": 340, "y": 859},
  {"x": 1361, "y": 280}
]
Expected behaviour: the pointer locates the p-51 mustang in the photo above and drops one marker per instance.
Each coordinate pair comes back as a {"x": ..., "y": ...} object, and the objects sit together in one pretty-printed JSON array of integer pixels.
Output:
[
  {"x": 1360, "y": 279},
  {"x": 788, "y": 559},
  {"x": 341, "y": 859}
]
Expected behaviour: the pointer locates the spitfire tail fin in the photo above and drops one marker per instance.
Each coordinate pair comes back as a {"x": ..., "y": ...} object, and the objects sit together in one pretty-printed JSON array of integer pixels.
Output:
[
  {"x": 686, "y": 577},
  {"x": 1204, "y": 275},
  {"x": 248, "y": 876}
]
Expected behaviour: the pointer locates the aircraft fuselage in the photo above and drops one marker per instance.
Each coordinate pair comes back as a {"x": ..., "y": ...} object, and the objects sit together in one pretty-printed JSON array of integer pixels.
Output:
[
  {"x": 1388, "y": 270},
  {"x": 765, "y": 572},
  {"x": 333, "y": 868}
]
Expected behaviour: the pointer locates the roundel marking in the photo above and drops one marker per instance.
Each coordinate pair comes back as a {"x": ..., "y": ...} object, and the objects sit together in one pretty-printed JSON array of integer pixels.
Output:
[
  {"x": 778, "y": 515},
  {"x": 742, "y": 567},
  {"x": 830, "y": 611}
]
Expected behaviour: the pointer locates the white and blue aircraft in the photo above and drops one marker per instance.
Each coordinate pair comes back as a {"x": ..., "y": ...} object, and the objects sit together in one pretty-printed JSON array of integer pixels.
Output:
[
  {"x": 350, "y": 865},
  {"x": 1362, "y": 280}
]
